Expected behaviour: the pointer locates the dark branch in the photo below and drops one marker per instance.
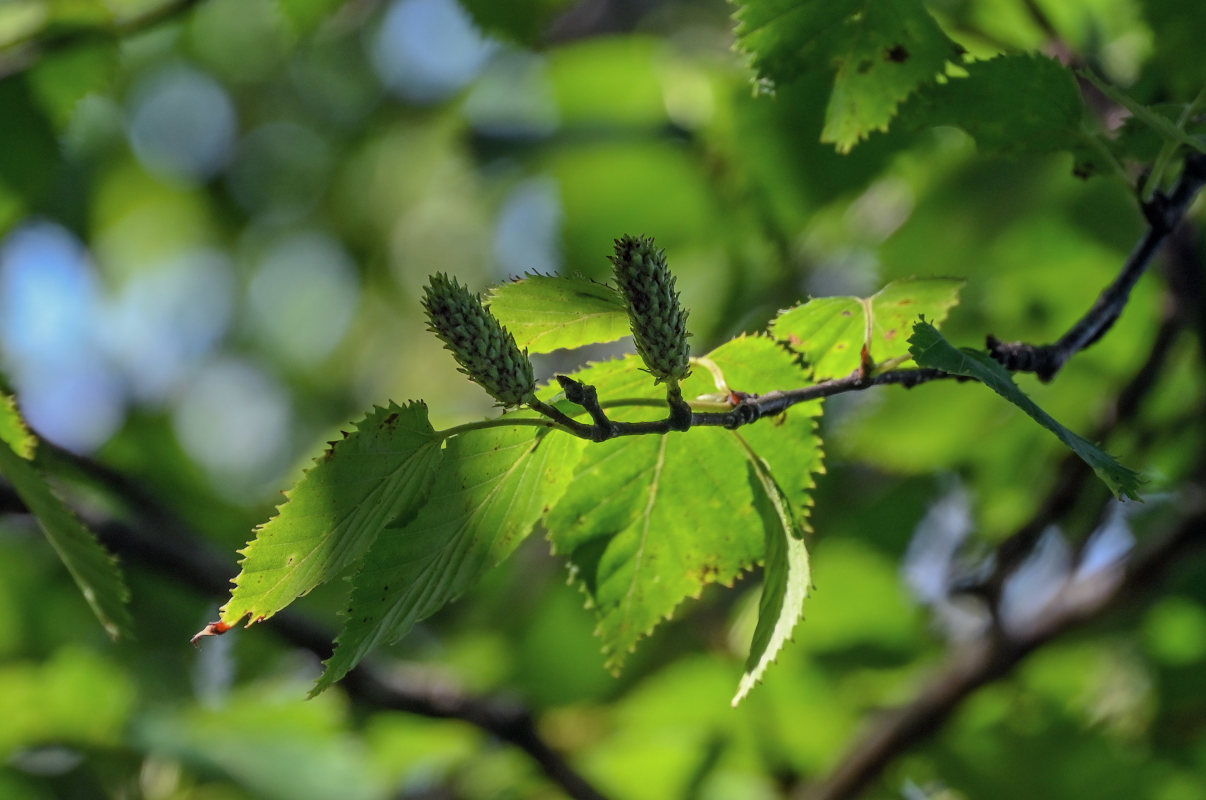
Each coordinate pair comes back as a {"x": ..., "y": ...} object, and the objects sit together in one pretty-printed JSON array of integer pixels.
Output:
[
  {"x": 745, "y": 410},
  {"x": 1163, "y": 215},
  {"x": 996, "y": 656}
]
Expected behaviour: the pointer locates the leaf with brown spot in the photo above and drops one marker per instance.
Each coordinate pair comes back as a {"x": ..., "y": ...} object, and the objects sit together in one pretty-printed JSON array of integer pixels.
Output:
[
  {"x": 650, "y": 521},
  {"x": 831, "y": 332}
]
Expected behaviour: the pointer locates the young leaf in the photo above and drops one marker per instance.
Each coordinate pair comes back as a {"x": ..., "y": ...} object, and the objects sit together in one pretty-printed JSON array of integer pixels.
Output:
[
  {"x": 785, "y": 581},
  {"x": 91, "y": 566},
  {"x": 1045, "y": 111},
  {"x": 881, "y": 51},
  {"x": 930, "y": 349},
  {"x": 378, "y": 473},
  {"x": 546, "y": 313},
  {"x": 492, "y": 487},
  {"x": 649, "y": 521},
  {"x": 831, "y": 331}
]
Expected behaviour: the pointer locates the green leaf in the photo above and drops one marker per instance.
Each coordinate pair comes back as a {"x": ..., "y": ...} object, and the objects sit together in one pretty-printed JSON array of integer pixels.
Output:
[
  {"x": 13, "y": 431},
  {"x": 61, "y": 79},
  {"x": 881, "y": 51},
  {"x": 831, "y": 331},
  {"x": 930, "y": 349},
  {"x": 68, "y": 697},
  {"x": 378, "y": 473},
  {"x": 306, "y": 15},
  {"x": 29, "y": 150},
  {"x": 546, "y": 313},
  {"x": 492, "y": 486},
  {"x": 649, "y": 521},
  {"x": 785, "y": 581},
  {"x": 1012, "y": 105},
  {"x": 91, "y": 566},
  {"x": 271, "y": 746},
  {"x": 522, "y": 21}
]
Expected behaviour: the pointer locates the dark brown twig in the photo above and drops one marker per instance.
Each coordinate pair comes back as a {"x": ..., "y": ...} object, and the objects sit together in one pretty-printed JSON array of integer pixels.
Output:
[{"x": 1163, "y": 216}]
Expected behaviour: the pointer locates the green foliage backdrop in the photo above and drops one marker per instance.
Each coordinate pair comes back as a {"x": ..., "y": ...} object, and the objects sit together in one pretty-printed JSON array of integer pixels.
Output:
[{"x": 217, "y": 219}]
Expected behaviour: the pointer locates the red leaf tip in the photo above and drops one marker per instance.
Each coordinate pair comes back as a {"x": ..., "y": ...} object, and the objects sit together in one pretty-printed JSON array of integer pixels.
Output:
[{"x": 212, "y": 629}]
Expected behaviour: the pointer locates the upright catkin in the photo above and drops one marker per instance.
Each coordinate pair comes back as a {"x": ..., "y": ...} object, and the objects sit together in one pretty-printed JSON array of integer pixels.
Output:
[
  {"x": 659, "y": 322},
  {"x": 485, "y": 349}
]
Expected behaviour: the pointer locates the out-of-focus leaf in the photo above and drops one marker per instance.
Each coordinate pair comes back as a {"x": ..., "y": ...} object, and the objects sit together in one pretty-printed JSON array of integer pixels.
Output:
[
  {"x": 880, "y": 50},
  {"x": 1012, "y": 105},
  {"x": 306, "y": 15},
  {"x": 831, "y": 331},
  {"x": 524, "y": 22},
  {"x": 492, "y": 486},
  {"x": 546, "y": 313},
  {"x": 378, "y": 474},
  {"x": 930, "y": 349},
  {"x": 1177, "y": 34},
  {"x": 29, "y": 151},
  {"x": 61, "y": 79},
  {"x": 93, "y": 568},
  {"x": 1157, "y": 122},
  {"x": 277, "y": 748},
  {"x": 74, "y": 697}
]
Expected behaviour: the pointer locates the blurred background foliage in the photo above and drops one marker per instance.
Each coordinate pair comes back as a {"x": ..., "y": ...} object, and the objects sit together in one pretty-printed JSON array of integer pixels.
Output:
[{"x": 216, "y": 217}]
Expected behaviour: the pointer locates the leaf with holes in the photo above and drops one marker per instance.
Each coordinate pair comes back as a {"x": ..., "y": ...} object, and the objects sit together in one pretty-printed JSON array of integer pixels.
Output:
[
  {"x": 379, "y": 473},
  {"x": 831, "y": 331},
  {"x": 880, "y": 52},
  {"x": 930, "y": 349},
  {"x": 546, "y": 313}
]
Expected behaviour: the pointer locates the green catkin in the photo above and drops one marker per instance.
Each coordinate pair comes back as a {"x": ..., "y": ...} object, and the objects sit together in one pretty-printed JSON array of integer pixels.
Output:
[
  {"x": 485, "y": 349},
  {"x": 659, "y": 322}
]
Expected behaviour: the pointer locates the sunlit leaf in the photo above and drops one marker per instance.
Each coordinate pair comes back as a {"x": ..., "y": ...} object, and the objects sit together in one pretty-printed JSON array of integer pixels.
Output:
[
  {"x": 880, "y": 52},
  {"x": 95, "y": 571},
  {"x": 492, "y": 486},
  {"x": 785, "y": 581},
  {"x": 13, "y": 431},
  {"x": 545, "y": 313},
  {"x": 379, "y": 473},
  {"x": 831, "y": 331},
  {"x": 930, "y": 349},
  {"x": 649, "y": 521}
]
